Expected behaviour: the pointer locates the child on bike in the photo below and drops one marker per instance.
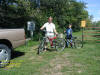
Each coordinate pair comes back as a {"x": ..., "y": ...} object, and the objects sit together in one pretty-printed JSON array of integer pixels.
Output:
[{"x": 69, "y": 34}]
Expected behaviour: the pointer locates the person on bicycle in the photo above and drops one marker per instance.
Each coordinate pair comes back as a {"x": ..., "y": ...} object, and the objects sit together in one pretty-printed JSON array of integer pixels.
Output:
[
  {"x": 50, "y": 30},
  {"x": 69, "y": 33}
]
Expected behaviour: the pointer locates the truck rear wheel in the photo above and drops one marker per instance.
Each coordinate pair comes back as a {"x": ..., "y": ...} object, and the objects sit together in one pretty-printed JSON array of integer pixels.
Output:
[{"x": 5, "y": 55}]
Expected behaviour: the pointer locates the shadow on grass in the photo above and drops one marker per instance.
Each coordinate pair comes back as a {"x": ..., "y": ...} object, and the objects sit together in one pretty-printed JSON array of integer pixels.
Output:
[
  {"x": 51, "y": 50},
  {"x": 16, "y": 54}
]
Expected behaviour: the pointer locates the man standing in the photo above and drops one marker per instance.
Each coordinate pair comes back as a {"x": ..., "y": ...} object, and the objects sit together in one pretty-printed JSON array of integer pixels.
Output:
[{"x": 50, "y": 29}]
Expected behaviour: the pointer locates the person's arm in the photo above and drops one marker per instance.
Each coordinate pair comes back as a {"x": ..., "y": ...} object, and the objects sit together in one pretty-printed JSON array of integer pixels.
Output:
[
  {"x": 55, "y": 31},
  {"x": 71, "y": 31},
  {"x": 43, "y": 27},
  {"x": 65, "y": 31}
]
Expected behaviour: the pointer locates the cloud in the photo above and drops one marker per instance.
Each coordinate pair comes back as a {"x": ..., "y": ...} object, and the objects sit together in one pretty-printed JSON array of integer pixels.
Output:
[
  {"x": 92, "y": 5},
  {"x": 96, "y": 19}
]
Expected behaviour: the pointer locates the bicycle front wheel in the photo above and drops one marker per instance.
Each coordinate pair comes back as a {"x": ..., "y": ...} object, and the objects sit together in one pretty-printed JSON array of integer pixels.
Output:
[
  {"x": 60, "y": 44},
  {"x": 41, "y": 47},
  {"x": 78, "y": 44}
]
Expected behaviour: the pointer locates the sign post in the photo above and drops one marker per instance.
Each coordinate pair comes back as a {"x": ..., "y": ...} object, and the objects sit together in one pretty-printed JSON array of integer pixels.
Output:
[
  {"x": 31, "y": 28},
  {"x": 83, "y": 25}
]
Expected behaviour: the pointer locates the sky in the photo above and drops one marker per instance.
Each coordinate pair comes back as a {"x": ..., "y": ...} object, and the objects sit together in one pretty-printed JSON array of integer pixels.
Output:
[{"x": 93, "y": 7}]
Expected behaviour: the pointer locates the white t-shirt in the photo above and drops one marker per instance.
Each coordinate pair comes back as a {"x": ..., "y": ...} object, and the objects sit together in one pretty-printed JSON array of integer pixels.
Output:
[{"x": 49, "y": 28}]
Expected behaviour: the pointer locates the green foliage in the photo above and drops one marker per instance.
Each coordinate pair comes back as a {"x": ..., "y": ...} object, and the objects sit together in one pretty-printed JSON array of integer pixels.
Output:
[
  {"x": 64, "y": 12},
  {"x": 96, "y": 25}
]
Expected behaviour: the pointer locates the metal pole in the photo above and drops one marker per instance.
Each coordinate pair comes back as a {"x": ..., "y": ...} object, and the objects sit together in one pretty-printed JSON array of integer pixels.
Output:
[
  {"x": 31, "y": 32},
  {"x": 82, "y": 36}
]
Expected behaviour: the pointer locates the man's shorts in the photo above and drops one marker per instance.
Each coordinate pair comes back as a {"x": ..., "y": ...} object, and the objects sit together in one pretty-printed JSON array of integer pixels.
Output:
[{"x": 48, "y": 36}]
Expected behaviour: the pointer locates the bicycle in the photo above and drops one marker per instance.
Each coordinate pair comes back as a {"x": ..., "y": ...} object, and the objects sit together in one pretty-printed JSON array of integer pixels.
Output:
[
  {"x": 74, "y": 42},
  {"x": 57, "y": 43}
]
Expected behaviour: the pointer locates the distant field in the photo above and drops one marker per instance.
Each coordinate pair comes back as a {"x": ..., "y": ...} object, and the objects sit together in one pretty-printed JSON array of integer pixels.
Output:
[{"x": 84, "y": 61}]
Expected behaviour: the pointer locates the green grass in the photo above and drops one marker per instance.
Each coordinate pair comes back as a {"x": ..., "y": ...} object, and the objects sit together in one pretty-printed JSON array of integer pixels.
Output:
[{"x": 84, "y": 61}]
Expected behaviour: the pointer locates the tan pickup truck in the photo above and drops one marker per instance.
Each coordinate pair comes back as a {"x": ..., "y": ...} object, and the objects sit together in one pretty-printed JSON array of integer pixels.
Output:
[{"x": 9, "y": 39}]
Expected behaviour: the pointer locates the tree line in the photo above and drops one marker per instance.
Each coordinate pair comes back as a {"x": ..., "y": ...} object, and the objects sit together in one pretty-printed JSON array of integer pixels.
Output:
[{"x": 16, "y": 13}]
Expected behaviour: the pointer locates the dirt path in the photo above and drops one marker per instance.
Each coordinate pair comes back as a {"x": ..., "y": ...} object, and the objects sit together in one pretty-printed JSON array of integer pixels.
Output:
[{"x": 56, "y": 66}]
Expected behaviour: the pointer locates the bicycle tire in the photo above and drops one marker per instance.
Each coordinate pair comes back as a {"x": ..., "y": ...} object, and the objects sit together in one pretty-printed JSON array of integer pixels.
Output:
[
  {"x": 73, "y": 44},
  {"x": 60, "y": 44},
  {"x": 78, "y": 44},
  {"x": 41, "y": 47}
]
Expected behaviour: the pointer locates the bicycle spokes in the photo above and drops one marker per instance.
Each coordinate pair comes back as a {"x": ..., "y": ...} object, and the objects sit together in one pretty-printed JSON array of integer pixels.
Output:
[{"x": 60, "y": 45}]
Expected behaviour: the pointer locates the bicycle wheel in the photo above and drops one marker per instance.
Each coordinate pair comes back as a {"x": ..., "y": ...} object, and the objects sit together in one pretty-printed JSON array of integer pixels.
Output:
[
  {"x": 72, "y": 44},
  {"x": 41, "y": 47},
  {"x": 60, "y": 44},
  {"x": 78, "y": 44}
]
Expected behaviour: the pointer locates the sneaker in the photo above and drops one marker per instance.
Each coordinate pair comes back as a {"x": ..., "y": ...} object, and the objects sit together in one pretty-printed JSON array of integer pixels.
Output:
[{"x": 45, "y": 49}]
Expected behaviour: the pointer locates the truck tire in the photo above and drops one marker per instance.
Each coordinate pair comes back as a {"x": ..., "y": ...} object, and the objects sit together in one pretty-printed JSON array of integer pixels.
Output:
[{"x": 5, "y": 55}]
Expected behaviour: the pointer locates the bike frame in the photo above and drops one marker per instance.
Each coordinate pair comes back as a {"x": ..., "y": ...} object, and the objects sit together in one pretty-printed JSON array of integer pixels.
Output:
[{"x": 51, "y": 40}]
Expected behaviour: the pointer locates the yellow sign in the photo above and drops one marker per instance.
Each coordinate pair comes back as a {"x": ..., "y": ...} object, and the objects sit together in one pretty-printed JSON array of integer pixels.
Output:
[{"x": 83, "y": 23}]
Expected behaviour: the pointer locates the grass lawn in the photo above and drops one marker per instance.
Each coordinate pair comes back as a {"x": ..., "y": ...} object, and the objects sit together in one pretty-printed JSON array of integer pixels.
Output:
[{"x": 84, "y": 61}]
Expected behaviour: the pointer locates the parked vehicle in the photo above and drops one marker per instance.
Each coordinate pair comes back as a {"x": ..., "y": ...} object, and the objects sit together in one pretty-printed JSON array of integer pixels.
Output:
[{"x": 10, "y": 39}]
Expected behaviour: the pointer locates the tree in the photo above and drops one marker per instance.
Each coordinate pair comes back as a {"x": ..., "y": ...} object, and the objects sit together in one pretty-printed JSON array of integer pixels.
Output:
[{"x": 64, "y": 12}]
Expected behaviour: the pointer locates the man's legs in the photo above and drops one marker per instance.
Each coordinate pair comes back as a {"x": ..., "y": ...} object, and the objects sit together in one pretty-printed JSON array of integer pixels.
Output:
[
  {"x": 46, "y": 43},
  {"x": 49, "y": 40}
]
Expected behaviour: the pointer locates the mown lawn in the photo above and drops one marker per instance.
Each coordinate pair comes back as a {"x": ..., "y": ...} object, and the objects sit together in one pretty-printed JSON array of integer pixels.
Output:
[{"x": 84, "y": 61}]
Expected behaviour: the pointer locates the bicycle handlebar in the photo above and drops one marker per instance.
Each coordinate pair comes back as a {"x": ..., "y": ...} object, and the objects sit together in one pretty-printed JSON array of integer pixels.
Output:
[{"x": 47, "y": 31}]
